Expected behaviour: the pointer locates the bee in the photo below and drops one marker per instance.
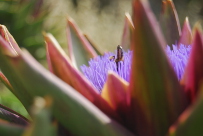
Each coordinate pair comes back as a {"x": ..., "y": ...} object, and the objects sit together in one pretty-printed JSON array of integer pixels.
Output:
[{"x": 119, "y": 56}]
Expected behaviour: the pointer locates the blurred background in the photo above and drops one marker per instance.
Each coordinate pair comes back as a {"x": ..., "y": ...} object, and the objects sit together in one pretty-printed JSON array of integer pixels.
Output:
[{"x": 101, "y": 20}]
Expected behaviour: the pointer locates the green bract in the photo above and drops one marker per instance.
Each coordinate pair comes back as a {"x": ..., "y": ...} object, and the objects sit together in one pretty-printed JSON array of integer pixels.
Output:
[{"x": 61, "y": 101}]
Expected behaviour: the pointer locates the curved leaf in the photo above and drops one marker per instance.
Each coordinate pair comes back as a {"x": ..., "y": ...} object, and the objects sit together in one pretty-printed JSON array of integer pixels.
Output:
[
  {"x": 155, "y": 95},
  {"x": 12, "y": 116},
  {"x": 128, "y": 24},
  {"x": 5, "y": 81},
  {"x": 62, "y": 68},
  {"x": 25, "y": 98},
  {"x": 186, "y": 35},
  {"x": 80, "y": 50},
  {"x": 169, "y": 22},
  {"x": 115, "y": 93},
  {"x": 98, "y": 51},
  {"x": 9, "y": 38},
  {"x": 13, "y": 50},
  {"x": 193, "y": 72},
  {"x": 74, "y": 111}
]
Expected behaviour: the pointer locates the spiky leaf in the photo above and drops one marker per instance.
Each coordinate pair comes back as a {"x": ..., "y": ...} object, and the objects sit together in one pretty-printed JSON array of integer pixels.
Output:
[
  {"x": 95, "y": 47},
  {"x": 74, "y": 111},
  {"x": 169, "y": 22},
  {"x": 115, "y": 93},
  {"x": 155, "y": 95},
  {"x": 80, "y": 50},
  {"x": 62, "y": 67},
  {"x": 194, "y": 73},
  {"x": 186, "y": 35},
  {"x": 128, "y": 24}
]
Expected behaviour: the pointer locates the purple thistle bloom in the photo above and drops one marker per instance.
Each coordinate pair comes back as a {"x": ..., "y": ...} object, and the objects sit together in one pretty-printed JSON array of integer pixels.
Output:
[{"x": 98, "y": 68}]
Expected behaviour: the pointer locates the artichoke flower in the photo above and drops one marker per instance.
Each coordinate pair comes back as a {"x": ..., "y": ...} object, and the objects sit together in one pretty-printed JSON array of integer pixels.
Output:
[{"x": 160, "y": 95}]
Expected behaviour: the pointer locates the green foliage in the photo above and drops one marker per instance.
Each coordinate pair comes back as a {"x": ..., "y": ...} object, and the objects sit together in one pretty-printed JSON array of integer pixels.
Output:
[
  {"x": 24, "y": 19},
  {"x": 8, "y": 99},
  {"x": 63, "y": 100}
]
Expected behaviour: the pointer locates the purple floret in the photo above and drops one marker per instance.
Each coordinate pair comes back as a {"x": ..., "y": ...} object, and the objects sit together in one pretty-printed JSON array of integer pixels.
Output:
[
  {"x": 178, "y": 58},
  {"x": 98, "y": 68}
]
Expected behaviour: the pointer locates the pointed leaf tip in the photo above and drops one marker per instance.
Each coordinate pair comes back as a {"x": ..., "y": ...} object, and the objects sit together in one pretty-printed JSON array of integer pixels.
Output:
[
  {"x": 81, "y": 113},
  {"x": 50, "y": 40},
  {"x": 169, "y": 22},
  {"x": 98, "y": 51},
  {"x": 128, "y": 27},
  {"x": 128, "y": 16},
  {"x": 193, "y": 73},
  {"x": 5, "y": 81},
  {"x": 61, "y": 66},
  {"x": 154, "y": 88},
  {"x": 47, "y": 40},
  {"x": 6, "y": 49},
  {"x": 115, "y": 93},
  {"x": 6, "y": 53},
  {"x": 197, "y": 27},
  {"x": 186, "y": 34},
  {"x": 80, "y": 50},
  {"x": 9, "y": 38}
]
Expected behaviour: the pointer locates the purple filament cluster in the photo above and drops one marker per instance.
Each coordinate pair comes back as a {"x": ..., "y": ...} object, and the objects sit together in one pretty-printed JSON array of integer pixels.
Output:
[
  {"x": 178, "y": 58},
  {"x": 98, "y": 68}
]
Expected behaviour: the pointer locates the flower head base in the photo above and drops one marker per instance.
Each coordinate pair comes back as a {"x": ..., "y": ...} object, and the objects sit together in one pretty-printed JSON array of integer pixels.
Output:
[{"x": 98, "y": 68}]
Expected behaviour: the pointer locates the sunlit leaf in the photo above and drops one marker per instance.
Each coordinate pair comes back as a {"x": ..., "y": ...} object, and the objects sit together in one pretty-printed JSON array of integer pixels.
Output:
[
  {"x": 98, "y": 51},
  {"x": 8, "y": 37},
  {"x": 128, "y": 24},
  {"x": 80, "y": 50},
  {"x": 186, "y": 35}
]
